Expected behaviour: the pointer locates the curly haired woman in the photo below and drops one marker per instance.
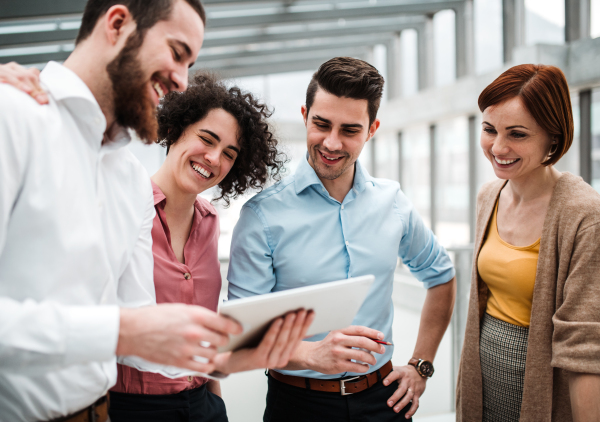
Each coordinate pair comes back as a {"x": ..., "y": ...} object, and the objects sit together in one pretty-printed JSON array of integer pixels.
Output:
[
  {"x": 215, "y": 136},
  {"x": 532, "y": 342}
]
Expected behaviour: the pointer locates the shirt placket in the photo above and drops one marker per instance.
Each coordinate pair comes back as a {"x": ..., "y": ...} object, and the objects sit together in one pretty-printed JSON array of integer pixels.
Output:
[{"x": 346, "y": 229}]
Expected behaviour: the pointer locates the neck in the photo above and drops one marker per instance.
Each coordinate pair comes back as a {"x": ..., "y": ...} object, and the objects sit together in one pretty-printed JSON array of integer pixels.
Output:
[
  {"x": 534, "y": 185},
  {"x": 179, "y": 203},
  {"x": 94, "y": 75},
  {"x": 339, "y": 187}
]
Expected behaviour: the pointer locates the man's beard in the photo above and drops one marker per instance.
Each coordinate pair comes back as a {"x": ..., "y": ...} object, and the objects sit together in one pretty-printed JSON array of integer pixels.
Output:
[
  {"x": 328, "y": 173},
  {"x": 133, "y": 105}
]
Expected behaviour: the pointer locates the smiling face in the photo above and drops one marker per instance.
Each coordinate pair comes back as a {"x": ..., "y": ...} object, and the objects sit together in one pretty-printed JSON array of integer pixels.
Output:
[
  {"x": 337, "y": 129},
  {"x": 513, "y": 141},
  {"x": 148, "y": 68},
  {"x": 204, "y": 153}
]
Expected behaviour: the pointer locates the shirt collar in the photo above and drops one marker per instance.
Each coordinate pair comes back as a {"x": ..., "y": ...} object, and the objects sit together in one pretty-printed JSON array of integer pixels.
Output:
[
  {"x": 305, "y": 176},
  {"x": 204, "y": 207},
  {"x": 64, "y": 85}
]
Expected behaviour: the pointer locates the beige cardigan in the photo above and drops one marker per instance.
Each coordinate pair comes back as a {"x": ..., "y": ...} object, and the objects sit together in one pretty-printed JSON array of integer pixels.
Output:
[{"x": 565, "y": 315}]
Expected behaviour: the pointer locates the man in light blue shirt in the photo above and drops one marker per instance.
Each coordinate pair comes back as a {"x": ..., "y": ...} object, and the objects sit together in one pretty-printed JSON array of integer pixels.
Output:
[{"x": 331, "y": 221}]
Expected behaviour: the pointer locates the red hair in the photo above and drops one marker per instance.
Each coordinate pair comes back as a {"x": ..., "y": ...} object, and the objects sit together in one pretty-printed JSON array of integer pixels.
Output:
[{"x": 545, "y": 94}]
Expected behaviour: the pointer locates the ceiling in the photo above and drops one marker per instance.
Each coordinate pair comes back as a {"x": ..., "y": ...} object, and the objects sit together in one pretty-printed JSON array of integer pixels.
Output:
[{"x": 243, "y": 37}]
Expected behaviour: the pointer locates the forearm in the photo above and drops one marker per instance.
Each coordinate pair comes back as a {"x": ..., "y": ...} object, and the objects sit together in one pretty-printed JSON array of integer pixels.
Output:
[
  {"x": 214, "y": 387},
  {"x": 300, "y": 359},
  {"x": 435, "y": 317},
  {"x": 584, "y": 390}
]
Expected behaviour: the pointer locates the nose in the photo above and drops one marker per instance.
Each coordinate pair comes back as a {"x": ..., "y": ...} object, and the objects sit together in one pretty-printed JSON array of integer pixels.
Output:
[
  {"x": 212, "y": 156},
  {"x": 332, "y": 142},
  {"x": 179, "y": 79},
  {"x": 500, "y": 146}
]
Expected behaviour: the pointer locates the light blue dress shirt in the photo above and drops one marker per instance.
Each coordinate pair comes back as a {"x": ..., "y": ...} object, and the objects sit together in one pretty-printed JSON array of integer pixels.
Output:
[{"x": 294, "y": 234}]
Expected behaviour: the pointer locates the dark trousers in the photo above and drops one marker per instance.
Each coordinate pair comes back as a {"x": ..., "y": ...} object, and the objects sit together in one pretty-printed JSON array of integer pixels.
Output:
[
  {"x": 286, "y": 403},
  {"x": 197, "y": 405}
]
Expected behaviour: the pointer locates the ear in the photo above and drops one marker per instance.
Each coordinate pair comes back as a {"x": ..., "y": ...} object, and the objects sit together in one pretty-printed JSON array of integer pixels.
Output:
[
  {"x": 373, "y": 128},
  {"x": 304, "y": 111},
  {"x": 117, "y": 22}
]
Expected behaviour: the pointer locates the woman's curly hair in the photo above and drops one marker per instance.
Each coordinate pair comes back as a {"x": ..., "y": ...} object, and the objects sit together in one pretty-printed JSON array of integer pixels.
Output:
[{"x": 258, "y": 158}]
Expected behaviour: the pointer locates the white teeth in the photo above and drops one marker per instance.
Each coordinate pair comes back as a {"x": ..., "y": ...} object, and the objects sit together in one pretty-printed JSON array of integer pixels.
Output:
[
  {"x": 158, "y": 89},
  {"x": 201, "y": 171},
  {"x": 505, "y": 161},
  {"x": 327, "y": 158}
]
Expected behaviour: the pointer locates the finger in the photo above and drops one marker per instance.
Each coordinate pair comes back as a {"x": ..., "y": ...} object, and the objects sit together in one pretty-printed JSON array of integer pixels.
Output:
[
  {"x": 270, "y": 337},
  {"x": 296, "y": 334},
  {"x": 14, "y": 81},
  {"x": 282, "y": 340},
  {"x": 398, "y": 394},
  {"x": 413, "y": 408},
  {"x": 359, "y": 330},
  {"x": 308, "y": 322},
  {"x": 405, "y": 400},
  {"x": 198, "y": 333},
  {"x": 40, "y": 96},
  {"x": 191, "y": 364},
  {"x": 391, "y": 377},
  {"x": 363, "y": 343},
  {"x": 214, "y": 321},
  {"x": 359, "y": 355}
]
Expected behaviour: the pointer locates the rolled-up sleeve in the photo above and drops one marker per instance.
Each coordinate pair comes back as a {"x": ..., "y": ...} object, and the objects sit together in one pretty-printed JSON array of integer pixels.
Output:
[
  {"x": 419, "y": 250},
  {"x": 251, "y": 264},
  {"x": 576, "y": 337}
]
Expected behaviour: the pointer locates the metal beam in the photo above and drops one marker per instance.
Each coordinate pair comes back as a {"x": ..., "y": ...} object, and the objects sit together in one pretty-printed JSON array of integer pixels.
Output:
[
  {"x": 577, "y": 19},
  {"x": 287, "y": 49},
  {"x": 585, "y": 135},
  {"x": 465, "y": 45},
  {"x": 394, "y": 67},
  {"x": 425, "y": 54},
  {"x": 306, "y": 33},
  {"x": 19, "y": 9},
  {"x": 282, "y": 67},
  {"x": 35, "y": 58},
  {"x": 513, "y": 27},
  {"x": 415, "y": 8},
  {"x": 283, "y": 57}
]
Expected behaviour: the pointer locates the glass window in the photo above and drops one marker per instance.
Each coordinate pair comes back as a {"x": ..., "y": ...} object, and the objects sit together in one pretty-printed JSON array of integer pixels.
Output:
[
  {"x": 452, "y": 181},
  {"x": 416, "y": 169}
]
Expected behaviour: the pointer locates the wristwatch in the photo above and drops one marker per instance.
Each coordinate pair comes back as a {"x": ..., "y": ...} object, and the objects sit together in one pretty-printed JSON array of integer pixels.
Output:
[{"x": 424, "y": 367}]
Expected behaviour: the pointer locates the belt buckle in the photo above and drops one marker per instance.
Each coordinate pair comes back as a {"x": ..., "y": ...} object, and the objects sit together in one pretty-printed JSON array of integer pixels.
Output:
[{"x": 343, "y": 385}]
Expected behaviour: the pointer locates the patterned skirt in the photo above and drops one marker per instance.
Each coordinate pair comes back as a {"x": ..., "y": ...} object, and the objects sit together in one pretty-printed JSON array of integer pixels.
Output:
[{"x": 502, "y": 349}]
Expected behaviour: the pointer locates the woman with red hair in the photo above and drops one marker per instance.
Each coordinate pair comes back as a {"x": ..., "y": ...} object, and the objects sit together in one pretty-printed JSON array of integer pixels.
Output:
[{"x": 532, "y": 342}]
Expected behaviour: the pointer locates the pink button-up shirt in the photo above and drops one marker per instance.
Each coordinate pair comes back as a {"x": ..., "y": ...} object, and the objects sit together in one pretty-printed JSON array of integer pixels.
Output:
[{"x": 197, "y": 282}]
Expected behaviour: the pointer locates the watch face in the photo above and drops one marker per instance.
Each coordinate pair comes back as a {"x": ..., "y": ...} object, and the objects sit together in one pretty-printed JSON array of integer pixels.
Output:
[{"x": 426, "y": 368}]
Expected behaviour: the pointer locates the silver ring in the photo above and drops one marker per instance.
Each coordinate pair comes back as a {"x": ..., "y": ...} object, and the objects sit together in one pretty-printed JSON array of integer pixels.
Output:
[{"x": 409, "y": 390}]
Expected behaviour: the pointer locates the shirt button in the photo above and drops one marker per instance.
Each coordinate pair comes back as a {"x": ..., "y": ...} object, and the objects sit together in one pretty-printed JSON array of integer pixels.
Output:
[
  {"x": 342, "y": 207},
  {"x": 187, "y": 276},
  {"x": 190, "y": 378},
  {"x": 347, "y": 243}
]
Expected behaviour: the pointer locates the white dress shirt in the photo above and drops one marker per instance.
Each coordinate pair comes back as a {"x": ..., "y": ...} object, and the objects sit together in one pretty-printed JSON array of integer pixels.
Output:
[{"x": 75, "y": 243}]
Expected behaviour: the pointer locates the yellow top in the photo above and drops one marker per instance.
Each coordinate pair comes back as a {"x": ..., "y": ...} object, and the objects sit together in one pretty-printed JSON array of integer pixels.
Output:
[{"x": 509, "y": 272}]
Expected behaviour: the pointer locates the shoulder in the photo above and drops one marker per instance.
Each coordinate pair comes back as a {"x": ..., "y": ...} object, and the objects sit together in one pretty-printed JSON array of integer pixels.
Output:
[
  {"x": 283, "y": 188},
  {"x": 17, "y": 106},
  {"x": 490, "y": 190},
  {"x": 577, "y": 201},
  {"x": 205, "y": 206}
]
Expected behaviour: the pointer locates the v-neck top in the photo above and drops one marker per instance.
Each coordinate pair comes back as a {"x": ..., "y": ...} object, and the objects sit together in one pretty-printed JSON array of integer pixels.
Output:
[
  {"x": 509, "y": 272},
  {"x": 195, "y": 282}
]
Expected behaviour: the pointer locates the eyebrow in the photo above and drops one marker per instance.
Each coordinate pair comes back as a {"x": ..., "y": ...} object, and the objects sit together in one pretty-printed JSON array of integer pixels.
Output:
[
  {"x": 214, "y": 135},
  {"x": 188, "y": 50},
  {"x": 344, "y": 125},
  {"x": 509, "y": 127}
]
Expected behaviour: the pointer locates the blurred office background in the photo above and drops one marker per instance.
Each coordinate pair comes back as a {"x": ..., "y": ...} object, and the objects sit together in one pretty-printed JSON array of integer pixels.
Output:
[{"x": 436, "y": 56}]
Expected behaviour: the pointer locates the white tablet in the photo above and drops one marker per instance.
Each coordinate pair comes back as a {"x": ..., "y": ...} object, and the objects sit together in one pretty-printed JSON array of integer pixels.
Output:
[{"x": 335, "y": 305}]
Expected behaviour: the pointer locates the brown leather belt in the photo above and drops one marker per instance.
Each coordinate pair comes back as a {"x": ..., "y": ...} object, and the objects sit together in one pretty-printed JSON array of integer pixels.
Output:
[
  {"x": 97, "y": 412},
  {"x": 344, "y": 387}
]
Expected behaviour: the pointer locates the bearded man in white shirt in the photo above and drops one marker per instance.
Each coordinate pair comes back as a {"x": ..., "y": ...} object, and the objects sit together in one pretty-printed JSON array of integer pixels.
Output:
[{"x": 76, "y": 212}]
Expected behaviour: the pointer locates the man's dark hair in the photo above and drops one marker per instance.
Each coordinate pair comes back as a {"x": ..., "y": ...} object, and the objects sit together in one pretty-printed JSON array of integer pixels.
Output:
[
  {"x": 146, "y": 13},
  {"x": 350, "y": 78},
  {"x": 258, "y": 157}
]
